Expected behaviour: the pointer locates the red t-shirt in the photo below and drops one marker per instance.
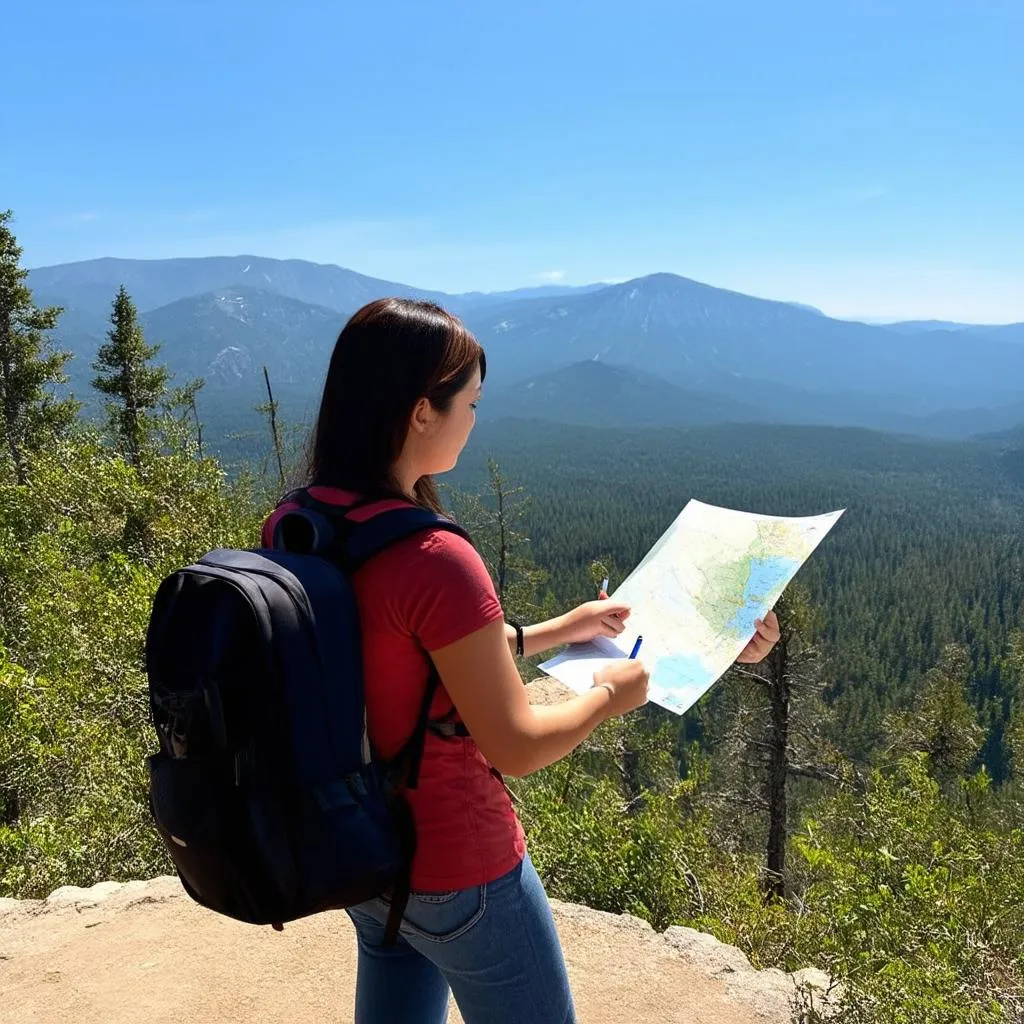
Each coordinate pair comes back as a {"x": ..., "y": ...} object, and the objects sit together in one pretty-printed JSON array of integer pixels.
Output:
[{"x": 421, "y": 594}]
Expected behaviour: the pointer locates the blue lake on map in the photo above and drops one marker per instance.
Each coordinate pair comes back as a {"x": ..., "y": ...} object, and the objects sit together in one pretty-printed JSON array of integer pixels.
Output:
[
  {"x": 679, "y": 680},
  {"x": 765, "y": 575},
  {"x": 680, "y": 671}
]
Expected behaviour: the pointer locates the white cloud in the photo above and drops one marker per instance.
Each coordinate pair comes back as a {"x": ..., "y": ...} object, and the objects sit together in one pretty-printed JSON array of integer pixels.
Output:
[{"x": 550, "y": 276}]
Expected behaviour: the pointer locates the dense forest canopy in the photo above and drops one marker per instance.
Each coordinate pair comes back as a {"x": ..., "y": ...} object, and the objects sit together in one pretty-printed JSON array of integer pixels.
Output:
[{"x": 930, "y": 551}]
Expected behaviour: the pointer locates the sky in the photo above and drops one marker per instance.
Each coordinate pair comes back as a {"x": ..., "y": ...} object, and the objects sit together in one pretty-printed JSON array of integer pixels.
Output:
[{"x": 866, "y": 158}]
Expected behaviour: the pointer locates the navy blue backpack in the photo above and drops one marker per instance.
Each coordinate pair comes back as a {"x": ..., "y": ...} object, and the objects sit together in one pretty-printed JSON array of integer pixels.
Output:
[{"x": 266, "y": 790}]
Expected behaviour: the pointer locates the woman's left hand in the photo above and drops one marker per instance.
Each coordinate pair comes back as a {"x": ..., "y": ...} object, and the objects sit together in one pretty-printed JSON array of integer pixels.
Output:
[
  {"x": 591, "y": 619},
  {"x": 766, "y": 637}
]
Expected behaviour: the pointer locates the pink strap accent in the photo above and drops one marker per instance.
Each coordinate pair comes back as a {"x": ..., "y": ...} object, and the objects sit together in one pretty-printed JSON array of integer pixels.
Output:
[{"x": 334, "y": 496}]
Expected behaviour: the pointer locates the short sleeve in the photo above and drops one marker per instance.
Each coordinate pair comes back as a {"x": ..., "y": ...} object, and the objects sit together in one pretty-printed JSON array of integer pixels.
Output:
[{"x": 443, "y": 591}]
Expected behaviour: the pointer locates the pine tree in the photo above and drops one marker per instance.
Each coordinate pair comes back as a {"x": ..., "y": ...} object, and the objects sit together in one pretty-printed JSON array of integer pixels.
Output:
[
  {"x": 125, "y": 373},
  {"x": 941, "y": 723},
  {"x": 1013, "y": 737},
  {"x": 29, "y": 413}
]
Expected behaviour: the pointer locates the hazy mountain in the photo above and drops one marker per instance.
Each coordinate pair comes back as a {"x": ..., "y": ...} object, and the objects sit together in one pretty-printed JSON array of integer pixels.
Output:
[
  {"x": 919, "y": 326},
  {"x": 705, "y": 338},
  {"x": 229, "y": 334},
  {"x": 474, "y": 300},
  {"x": 593, "y": 393},
  {"x": 226, "y": 336},
  {"x": 89, "y": 286},
  {"x": 1011, "y": 439},
  {"x": 1012, "y": 333},
  {"x": 674, "y": 350},
  {"x": 87, "y": 289}
]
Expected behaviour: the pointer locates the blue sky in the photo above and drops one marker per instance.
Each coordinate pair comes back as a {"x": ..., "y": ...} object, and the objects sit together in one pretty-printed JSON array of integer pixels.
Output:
[{"x": 866, "y": 157}]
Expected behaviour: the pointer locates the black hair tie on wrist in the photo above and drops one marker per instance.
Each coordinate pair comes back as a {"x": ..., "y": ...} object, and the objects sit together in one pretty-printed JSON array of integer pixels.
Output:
[{"x": 520, "y": 650}]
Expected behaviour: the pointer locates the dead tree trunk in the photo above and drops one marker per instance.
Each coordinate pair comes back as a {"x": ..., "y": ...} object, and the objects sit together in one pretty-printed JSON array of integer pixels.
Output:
[
  {"x": 778, "y": 767},
  {"x": 272, "y": 413}
]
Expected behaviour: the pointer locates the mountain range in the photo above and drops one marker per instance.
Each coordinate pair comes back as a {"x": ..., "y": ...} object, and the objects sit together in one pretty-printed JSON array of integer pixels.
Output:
[
  {"x": 658, "y": 349},
  {"x": 86, "y": 286}
]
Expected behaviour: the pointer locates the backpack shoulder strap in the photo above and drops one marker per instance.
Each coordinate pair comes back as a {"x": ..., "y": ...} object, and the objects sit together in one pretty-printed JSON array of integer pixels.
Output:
[
  {"x": 360, "y": 541},
  {"x": 374, "y": 535},
  {"x": 352, "y": 543}
]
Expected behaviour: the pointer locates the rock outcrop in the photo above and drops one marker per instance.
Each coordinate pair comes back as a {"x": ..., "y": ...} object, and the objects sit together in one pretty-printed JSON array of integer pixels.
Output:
[{"x": 144, "y": 952}]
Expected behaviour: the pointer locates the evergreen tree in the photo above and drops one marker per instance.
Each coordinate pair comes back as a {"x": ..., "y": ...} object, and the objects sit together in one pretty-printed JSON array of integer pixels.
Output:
[
  {"x": 29, "y": 413},
  {"x": 1015, "y": 738},
  {"x": 1014, "y": 735},
  {"x": 941, "y": 723},
  {"x": 125, "y": 373}
]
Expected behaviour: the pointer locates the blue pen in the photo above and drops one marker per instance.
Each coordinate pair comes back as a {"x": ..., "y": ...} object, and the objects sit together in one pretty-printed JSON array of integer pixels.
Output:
[{"x": 636, "y": 646}]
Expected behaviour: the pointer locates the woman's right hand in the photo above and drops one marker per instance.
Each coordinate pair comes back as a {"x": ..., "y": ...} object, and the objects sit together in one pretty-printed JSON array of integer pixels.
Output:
[{"x": 628, "y": 679}]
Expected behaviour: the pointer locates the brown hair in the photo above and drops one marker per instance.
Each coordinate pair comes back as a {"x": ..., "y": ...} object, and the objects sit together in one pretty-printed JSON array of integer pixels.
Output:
[{"x": 390, "y": 354}]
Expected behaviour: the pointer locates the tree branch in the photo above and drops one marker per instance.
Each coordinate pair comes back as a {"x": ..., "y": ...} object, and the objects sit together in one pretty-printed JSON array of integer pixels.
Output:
[
  {"x": 816, "y": 772},
  {"x": 743, "y": 801}
]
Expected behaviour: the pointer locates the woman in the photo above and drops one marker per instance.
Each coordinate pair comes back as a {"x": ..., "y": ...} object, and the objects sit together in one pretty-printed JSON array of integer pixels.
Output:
[{"x": 398, "y": 406}]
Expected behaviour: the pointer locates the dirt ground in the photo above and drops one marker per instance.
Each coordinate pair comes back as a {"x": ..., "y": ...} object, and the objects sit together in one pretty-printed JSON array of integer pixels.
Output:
[{"x": 145, "y": 953}]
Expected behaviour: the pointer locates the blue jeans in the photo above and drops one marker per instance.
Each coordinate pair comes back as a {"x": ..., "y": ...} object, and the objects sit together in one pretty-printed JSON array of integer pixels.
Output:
[{"x": 493, "y": 945}]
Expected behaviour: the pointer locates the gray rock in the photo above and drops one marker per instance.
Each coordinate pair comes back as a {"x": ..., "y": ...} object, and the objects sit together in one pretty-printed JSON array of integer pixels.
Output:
[
  {"x": 76, "y": 895},
  {"x": 621, "y": 922},
  {"x": 813, "y": 978},
  {"x": 706, "y": 951}
]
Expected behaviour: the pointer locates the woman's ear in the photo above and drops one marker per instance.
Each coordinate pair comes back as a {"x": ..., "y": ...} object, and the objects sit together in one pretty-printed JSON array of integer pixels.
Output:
[{"x": 423, "y": 415}]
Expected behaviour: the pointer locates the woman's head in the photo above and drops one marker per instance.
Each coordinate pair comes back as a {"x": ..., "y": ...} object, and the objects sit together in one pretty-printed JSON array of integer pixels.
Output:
[{"x": 398, "y": 402}]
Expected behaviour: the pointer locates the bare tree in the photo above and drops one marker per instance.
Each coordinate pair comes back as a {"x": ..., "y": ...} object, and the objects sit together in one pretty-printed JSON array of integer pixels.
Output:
[
  {"x": 269, "y": 409},
  {"x": 496, "y": 520},
  {"x": 774, "y": 732}
]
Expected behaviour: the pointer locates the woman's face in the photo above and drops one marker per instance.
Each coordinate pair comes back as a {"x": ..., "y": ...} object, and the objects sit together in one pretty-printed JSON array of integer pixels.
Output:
[{"x": 451, "y": 429}]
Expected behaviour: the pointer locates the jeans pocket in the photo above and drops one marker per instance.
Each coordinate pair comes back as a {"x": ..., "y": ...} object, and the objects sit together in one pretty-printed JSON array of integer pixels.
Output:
[
  {"x": 444, "y": 916},
  {"x": 427, "y": 897}
]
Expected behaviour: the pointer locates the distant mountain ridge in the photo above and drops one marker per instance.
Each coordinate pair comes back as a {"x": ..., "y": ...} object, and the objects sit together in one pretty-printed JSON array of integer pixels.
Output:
[
  {"x": 598, "y": 394},
  {"x": 706, "y": 338},
  {"x": 593, "y": 393},
  {"x": 917, "y": 326},
  {"x": 227, "y": 335},
  {"x": 1013, "y": 333},
  {"x": 89, "y": 286},
  {"x": 677, "y": 348}
]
